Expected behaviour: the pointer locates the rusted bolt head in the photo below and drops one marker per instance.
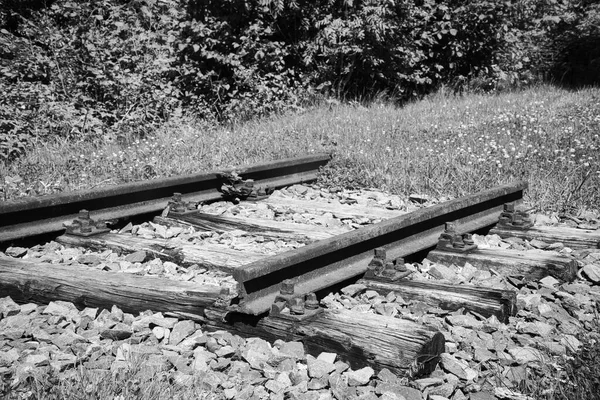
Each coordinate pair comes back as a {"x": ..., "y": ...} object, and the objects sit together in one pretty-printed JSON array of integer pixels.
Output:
[
  {"x": 84, "y": 214},
  {"x": 380, "y": 253},
  {"x": 287, "y": 287},
  {"x": 389, "y": 271},
  {"x": 177, "y": 196},
  {"x": 509, "y": 207},
  {"x": 311, "y": 301},
  {"x": 458, "y": 242},
  {"x": 450, "y": 226},
  {"x": 468, "y": 239},
  {"x": 296, "y": 306},
  {"x": 399, "y": 264}
]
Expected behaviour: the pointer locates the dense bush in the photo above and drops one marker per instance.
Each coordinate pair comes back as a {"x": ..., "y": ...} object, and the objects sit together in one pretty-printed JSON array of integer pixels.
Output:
[
  {"x": 85, "y": 70},
  {"x": 116, "y": 69}
]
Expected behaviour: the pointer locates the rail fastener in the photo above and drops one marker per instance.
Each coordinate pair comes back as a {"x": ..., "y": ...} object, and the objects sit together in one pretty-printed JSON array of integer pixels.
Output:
[
  {"x": 381, "y": 269},
  {"x": 580, "y": 237},
  {"x": 85, "y": 226},
  {"x": 327, "y": 262},
  {"x": 30, "y": 217}
]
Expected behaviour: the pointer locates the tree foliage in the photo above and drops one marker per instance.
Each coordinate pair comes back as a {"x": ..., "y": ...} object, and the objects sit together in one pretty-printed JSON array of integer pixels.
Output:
[{"x": 115, "y": 69}]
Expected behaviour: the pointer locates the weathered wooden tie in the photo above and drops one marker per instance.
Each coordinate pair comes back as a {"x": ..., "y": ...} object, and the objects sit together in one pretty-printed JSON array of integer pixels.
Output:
[
  {"x": 212, "y": 256},
  {"x": 37, "y": 282},
  {"x": 457, "y": 249},
  {"x": 519, "y": 224},
  {"x": 301, "y": 233},
  {"x": 484, "y": 301},
  {"x": 338, "y": 210},
  {"x": 574, "y": 238},
  {"x": 404, "y": 347}
]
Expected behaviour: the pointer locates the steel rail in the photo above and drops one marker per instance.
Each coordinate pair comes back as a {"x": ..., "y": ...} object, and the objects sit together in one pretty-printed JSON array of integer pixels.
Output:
[
  {"x": 28, "y": 217},
  {"x": 327, "y": 262}
]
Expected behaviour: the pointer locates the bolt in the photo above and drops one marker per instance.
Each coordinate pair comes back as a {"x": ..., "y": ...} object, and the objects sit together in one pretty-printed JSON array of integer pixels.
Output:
[
  {"x": 380, "y": 253},
  {"x": 389, "y": 271},
  {"x": 311, "y": 301},
  {"x": 296, "y": 306},
  {"x": 287, "y": 287},
  {"x": 509, "y": 207},
  {"x": 458, "y": 242},
  {"x": 177, "y": 197},
  {"x": 468, "y": 239},
  {"x": 517, "y": 219},
  {"x": 450, "y": 227},
  {"x": 504, "y": 220},
  {"x": 399, "y": 264},
  {"x": 83, "y": 214}
]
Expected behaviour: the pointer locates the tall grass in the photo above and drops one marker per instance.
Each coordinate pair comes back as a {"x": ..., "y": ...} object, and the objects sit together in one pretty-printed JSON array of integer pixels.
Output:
[{"x": 443, "y": 145}]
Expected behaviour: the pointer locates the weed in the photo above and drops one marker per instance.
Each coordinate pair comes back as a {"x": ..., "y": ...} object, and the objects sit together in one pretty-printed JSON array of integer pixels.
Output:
[{"x": 444, "y": 145}]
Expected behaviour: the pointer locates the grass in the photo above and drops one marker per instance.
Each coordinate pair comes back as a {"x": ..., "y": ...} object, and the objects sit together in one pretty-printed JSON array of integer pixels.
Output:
[
  {"x": 132, "y": 382},
  {"x": 576, "y": 377},
  {"x": 444, "y": 145}
]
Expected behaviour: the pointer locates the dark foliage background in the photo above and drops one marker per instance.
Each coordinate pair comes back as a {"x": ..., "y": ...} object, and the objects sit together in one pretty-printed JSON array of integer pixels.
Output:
[{"x": 116, "y": 69}]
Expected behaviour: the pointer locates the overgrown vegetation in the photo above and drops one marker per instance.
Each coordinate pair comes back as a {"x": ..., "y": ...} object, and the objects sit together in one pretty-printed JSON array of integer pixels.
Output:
[
  {"x": 574, "y": 377},
  {"x": 442, "y": 145},
  {"x": 115, "y": 70}
]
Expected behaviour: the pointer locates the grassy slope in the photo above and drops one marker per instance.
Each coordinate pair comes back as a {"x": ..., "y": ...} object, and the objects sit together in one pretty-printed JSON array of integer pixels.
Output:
[{"x": 443, "y": 145}]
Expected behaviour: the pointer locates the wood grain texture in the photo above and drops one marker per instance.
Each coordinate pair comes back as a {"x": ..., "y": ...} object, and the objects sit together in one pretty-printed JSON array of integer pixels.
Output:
[
  {"x": 485, "y": 301},
  {"x": 27, "y": 282},
  {"x": 302, "y": 233},
  {"x": 530, "y": 265},
  {"x": 570, "y": 237},
  {"x": 360, "y": 339},
  {"x": 338, "y": 210},
  {"x": 212, "y": 256}
]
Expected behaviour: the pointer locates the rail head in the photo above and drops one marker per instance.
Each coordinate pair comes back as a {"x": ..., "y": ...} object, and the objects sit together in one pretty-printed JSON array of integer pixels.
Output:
[
  {"x": 327, "y": 262},
  {"x": 37, "y": 215}
]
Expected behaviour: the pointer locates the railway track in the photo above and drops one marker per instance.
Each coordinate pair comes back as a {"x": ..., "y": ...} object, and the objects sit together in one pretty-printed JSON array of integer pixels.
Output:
[{"x": 264, "y": 265}]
